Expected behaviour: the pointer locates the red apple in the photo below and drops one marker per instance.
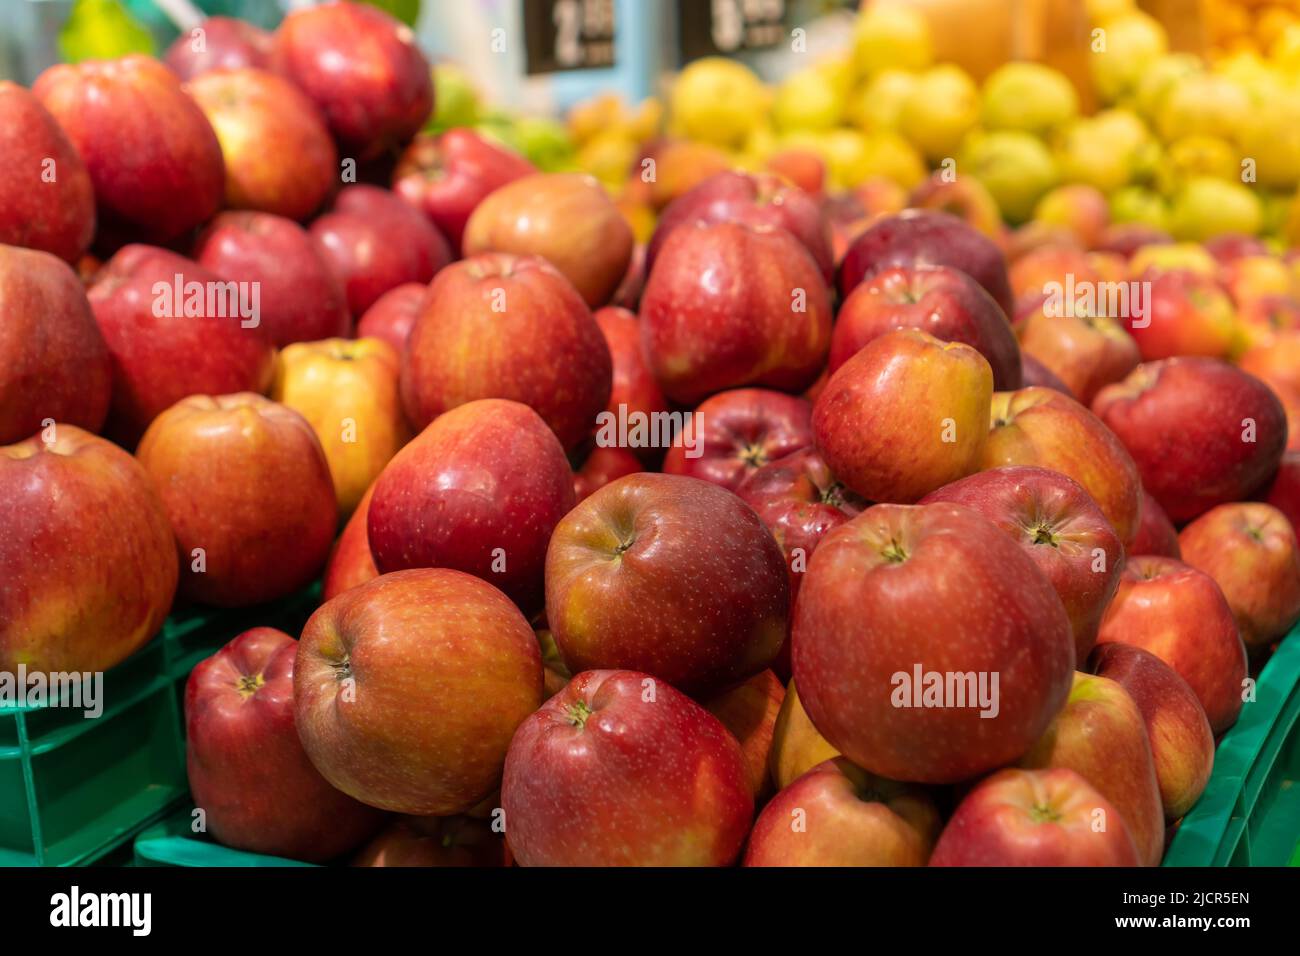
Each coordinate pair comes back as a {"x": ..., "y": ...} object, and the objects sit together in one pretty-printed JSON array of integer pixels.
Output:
[
  {"x": 1041, "y": 270},
  {"x": 669, "y": 575},
  {"x": 575, "y": 787},
  {"x": 634, "y": 390},
  {"x": 1179, "y": 614},
  {"x": 906, "y": 415},
  {"x": 446, "y": 175},
  {"x": 174, "y": 328},
  {"x": 839, "y": 815},
  {"x": 904, "y": 597},
  {"x": 1035, "y": 818},
  {"x": 1276, "y": 363},
  {"x": 54, "y": 366},
  {"x": 153, "y": 158},
  {"x": 247, "y": 770},
  {"x": 1186, "y": 314},
  {"x": 730, "y": 305},
  {"x": 350, "y": 562},
  {"x": 964, "y": 197},
  {"x": 393, "y": 315},
  {"x": 738, "y": 432},
  {"x": 301, "y": 299},
  {"x": 87, "y": 557},
  {"x": 801, "y": 167},
  {"x": 1037, "y": 375},
  {"x": 218, "y": 43},
  {"x": 749, "y": 711},
  {"x": 1126, "y": 238},
  {"x": 1087, "y": 350},
  {"x": 435, "y": 841},
  {"x": 600, "y": 467},
  {"x": 485, "y": 323},
  {"x": 1229, "y": 247},
  {"x": 407, "y": 689},
  {"x": 1283, "y": 492},
  {"x": 1156, "y": 533},
  {"x": 1202, "y": 432},
  {"x": 362, "y": 68},
  {"x": 944, "y": 302},
  {"x": 46, "y": 200}
]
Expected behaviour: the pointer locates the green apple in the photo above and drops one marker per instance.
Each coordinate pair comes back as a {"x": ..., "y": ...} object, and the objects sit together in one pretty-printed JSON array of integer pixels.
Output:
[
  {"x": 941, "y": 109},
  {"x": 878, "y": 104},
  {"x": 1203, "y": 104},
  {"x": 1207, "y": 207},
  {"x": 1016, "y": 167},
  {"x": 1126, "y": 46},
  {"x": 455, "y": 99},
  {"x": 1140, "y": 205},
  {"x": 1028, "y": 97},
  {"x": 1159, "y": 78}
]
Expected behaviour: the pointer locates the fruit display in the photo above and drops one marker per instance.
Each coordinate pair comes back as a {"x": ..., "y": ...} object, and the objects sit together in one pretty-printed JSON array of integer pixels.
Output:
[{"x": 839, "y": 457}]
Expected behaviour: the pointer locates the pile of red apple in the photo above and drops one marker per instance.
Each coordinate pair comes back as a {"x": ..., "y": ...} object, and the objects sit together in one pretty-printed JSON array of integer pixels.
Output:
[{"x": 543, "y": 648}]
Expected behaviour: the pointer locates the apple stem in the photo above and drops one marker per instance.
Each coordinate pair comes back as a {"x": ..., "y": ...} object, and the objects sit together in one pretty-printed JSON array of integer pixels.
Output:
[{"x": 578, "y": 713}]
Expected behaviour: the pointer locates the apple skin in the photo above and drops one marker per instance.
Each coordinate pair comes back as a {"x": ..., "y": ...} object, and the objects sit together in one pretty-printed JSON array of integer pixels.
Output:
[
  {"x": 852, "y": 818},
  {"x": 363, "y": 70},
  {"x": 941, "y": 587},
  {"x": 54, "y": 364},
  {"x": 392, "y": 316},
  {"x": 56, "y": 217},
  {"x": 301, "y": 299},
  {"x": 884, "y": 420},
  {"x": 479, "y": 490},
  {"x": 749, "y": 711},
  {"x": 460, "y": 841},
  {"x": 740, "y": 431},
  {"x": 391, "y": 686},
  {"x": 1182, "y": 745},
  {"x": 946, "y": 303},
  {"x": 1187, "y": 314},
  {"x": 923, "y": 237},
  {"x": 99, "y": 592},
  {"x": 1250, "y": 550},
  {"x": 350, "y": 562},
  {"x": 247, "y": 769},
  {"x": 625, "y": 562},
  {"x": 801, "y": 167},
  {"x": 484, "y": 323},
  {"x": 1182, "y": 420},
  {"x": 1101, "y": 735},
  {"x": 966, "y": 198},
  {"x": 278, "y": 155},
  {"x": 719, "y": 311},
  {"x": 153, "y": 158},
  {"x": 1035, "y": 374},
  {"x": 1087, "y": 352},
  {"x": 1283, "y": 492},
  {"x": 574, "y": 790},
  {"x": 1156, "y": 533},
  {"x": 374, "y": 242},
  {"x": 158, "y": 360},
  {"x": 1062, "y": 530},
  {"x": 1039, "y": 426},
  {"x": 227, "y": 43},
  {"x": 756, "y": 199},
  {"x": 633, "y": 385},
  {"x": 602, "y": 466},
  {"x": 446, "y": 175},
  {"x": 1034, "y": 818},
  {"x": 1180, "y": 615},
  {"x": 797, "y": 746},
  {"x": 1031, "y": 273}
]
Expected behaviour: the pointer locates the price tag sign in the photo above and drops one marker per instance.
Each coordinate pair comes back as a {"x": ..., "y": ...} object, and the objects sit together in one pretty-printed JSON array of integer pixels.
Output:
[
  {"x": 568, "y": 35},
  {"x": 725, "y": 27}
]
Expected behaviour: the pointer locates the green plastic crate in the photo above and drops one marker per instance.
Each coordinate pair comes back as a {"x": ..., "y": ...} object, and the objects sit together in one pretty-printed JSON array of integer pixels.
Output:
[
  {"x": 172, "y": 842},
  {"x": 1249, "y": 814}
]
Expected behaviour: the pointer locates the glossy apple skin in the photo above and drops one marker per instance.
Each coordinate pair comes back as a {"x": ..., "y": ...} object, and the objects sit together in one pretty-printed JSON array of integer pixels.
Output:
[
  {"x": 797, "y": 746},
  {"x": 446, "y": 175},
  {"x": 158, "y": 360},
  {"x": 1042, "y": 427},
  {"x": 392, "y": 316},
  {"x": 1182, "y": 745},
  {"x": 153, "y": 158},
  {"x": 485, "y": 322},
  {"x": 54, "y": 364},
  {"x": 1035, "y": 374},
  {"x": 1060, "y": 527},
  {"x": 1283, "y": 492},
  {"x": 567, "y": 219},
  {"x": 1156, "y": 533},
  {"x": 602, "y": 466},
  {"x": 740, "y": 431},
  {"x": 625, "y": 563},
  {"x": 1032, "y": 272},
  {"x": 1034, "y": 818},
  {"x": 350, "y": 562},
  {"x": 802, "y": 167},
  {"x": 756, "y": 199},
  {"x": 227, "y": 43},
  {"x": 363, "y": 70},
  {"x": 278, "y": 155},
  {"x": 374, "y": 242},
  {"x": 247, "y": 769},
  {"x": 461, "y": 841},
  {"x": 883, "y": 420},
  {"x": 391, "y": 686},
  {"x": 1180, "y": 615},
  {"x": 479, "y": 490},
  {"x": 98, "y": 592},
  {"x": 922, "y": 237},
  {"x": 940, "y": 586},
  {"x": 852, "y": 818},
  {"x": 633, "y": 385},
  {"x": 1275, "y": 362},
  {"x": 1086, "y": 352},
  {"x": 749, "y": 711},
  {"x": 56, "y": 217},
  {"x": 1182, "y": 420},
  {"x": 301, "y": 299},
  {"x": 1189, "y": 314},
  {"x": 574, "y": 789},
  {"x": 1100, "y": 734},
  {"x": 719, "y": 311},
  {"x": 1250, "y": 550},
  {"x": 944, "y": 302}
]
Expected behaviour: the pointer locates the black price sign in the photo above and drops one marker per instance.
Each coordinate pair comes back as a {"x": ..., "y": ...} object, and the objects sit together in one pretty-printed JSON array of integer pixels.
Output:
[
  {"x": 568, "y": 34},
  {"x": 713, "y": 27}
]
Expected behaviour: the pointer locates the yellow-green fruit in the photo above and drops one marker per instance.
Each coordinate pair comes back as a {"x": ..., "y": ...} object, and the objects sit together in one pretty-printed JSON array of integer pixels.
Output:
[
  {"x": 1088, "y": 153},
  {"x": 889, "y": 36},
  {"x": 1207, "y": 207},
  {"x": 941, "y": 109},
  {"x": 808, "y": 99},
  {"x": 1277, "y": 211},
  {"x": 717, "y": 101},
  {"x": 1015, "y": 167},
  {"x": 878, "y": 104},
  {"x": 1121, "y": 52},
  {"x": 1029, "y": 97},
  {"x": 1203, "y": 105},
  {"x": 1159, "y": 78},
  {"x": 1270, "y": 136},
  {"x": 853, "y": 157},
  {"x": 1136, "y": 204},
  {"x": 1195, "y": 156},
  {"x": 455, "y": 99}
]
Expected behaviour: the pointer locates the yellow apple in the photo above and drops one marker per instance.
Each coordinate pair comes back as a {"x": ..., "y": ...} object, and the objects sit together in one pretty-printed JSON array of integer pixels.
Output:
[
  {"x": 1123, "y": 50},
  {"x": 1029, "y": 97},
  {"x": 941, "y": 109},
  {"x": 1203, "y": 104},
  {"x": 808, "y": 99},
  {"x": 717, "y": 101},
  {"x": 877, "y": 105},
  {"x": 1207, "y": 207},
  {"x": 889, "y": 35}
]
